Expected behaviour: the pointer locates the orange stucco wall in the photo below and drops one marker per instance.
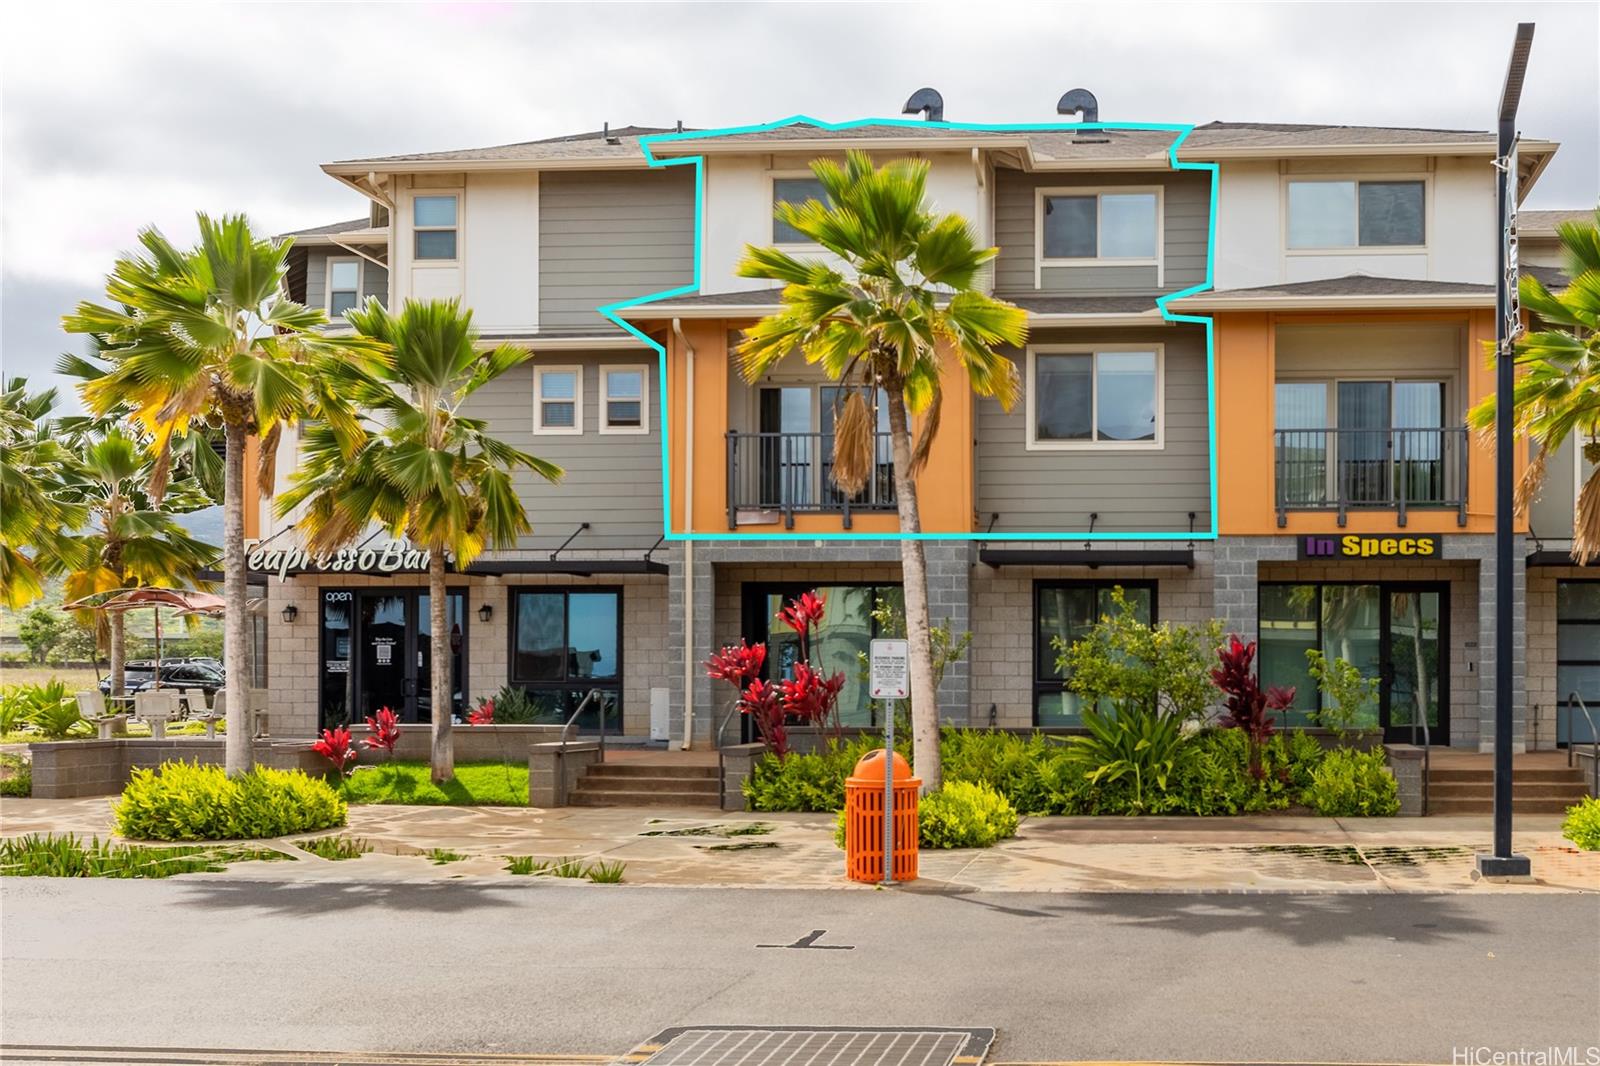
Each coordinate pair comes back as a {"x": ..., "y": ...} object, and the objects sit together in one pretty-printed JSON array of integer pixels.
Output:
[
  {"x": 945, "y": 487},
  {"x": 1246, "y": 373}
]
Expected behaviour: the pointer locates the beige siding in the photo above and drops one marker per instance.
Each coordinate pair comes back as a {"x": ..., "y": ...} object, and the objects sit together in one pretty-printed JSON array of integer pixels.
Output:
[{"x": 1131, "y": 491}]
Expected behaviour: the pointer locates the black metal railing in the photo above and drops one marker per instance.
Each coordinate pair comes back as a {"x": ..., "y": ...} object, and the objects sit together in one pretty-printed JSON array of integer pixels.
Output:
[
  {"x": 1370, "y": 469},
  {"x": 792, "y": 473}
]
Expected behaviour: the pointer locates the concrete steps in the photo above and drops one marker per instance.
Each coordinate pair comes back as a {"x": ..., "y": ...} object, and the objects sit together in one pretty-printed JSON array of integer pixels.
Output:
[
  {"x": 647, "y": 785},
  {"x": 1533, "y": 791}
]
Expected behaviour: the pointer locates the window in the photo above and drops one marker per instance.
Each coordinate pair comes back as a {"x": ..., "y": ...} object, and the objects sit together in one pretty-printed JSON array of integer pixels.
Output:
[
  {"x": 1079, "y": 399},
  {"x": 1079, "y": 225},
  {"x": 344, "y": 286},
  {"x": 558, "y": 399},
  {"x": 565, "y": 643},
  {"x": 1069, "y": 610},
  {"x": 1363, "y": 441},
  {"x": 840, "y": 641},
  {"x": 1355, "y": 214},
  {"x": 1577, "y": 658},
  {"x": 433, "y": 218},
  {"x": 624, "y": 399},
  {"x": 793, "y": 191}
]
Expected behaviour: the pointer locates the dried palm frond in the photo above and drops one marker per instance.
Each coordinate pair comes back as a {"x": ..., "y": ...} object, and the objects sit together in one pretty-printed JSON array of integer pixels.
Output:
[
  {"x": 1586, "y": 522},
  {"x": 1530, "y": 484},
  {"x": 267, "y": 461},
  {"x": 926, "y": 432},
  {"x": 852, "y": 445}
]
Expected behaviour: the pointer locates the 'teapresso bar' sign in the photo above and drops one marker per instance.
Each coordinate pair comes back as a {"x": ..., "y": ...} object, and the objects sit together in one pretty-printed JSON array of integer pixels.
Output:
[{"x": 1369, "y": 546}]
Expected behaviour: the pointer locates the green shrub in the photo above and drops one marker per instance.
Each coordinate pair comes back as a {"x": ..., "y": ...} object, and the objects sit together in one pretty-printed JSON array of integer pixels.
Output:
[
  {"x": 513, "y": 706},
  {"x": 1350, "y": 783},
  {"x": 1582, "y": 825},
  {"x": 965, "y": 814},
  {"x": 805, "y": 782},
  {"x": 1137, "y": 750},
  {"x": 185, "y": 801},
  {"x": 605, "y": 873},
  {"x": 1025, "y": 770},
  {"x": 16, "y": 775},
  {"x": 48, "y": 707}
]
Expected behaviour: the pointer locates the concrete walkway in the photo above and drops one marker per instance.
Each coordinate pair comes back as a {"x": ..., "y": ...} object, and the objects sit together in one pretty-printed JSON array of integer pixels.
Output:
[{"x": 663, "y": 846}]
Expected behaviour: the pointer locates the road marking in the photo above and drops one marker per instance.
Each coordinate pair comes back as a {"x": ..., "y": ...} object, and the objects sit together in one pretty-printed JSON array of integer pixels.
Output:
[
  {"x": 810, "y": 941},
  {"x": 802, "y": 1045}
]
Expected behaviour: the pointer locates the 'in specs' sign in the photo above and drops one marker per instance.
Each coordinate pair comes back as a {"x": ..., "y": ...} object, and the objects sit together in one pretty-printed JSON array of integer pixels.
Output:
[{"x": 1369, "y": 546}]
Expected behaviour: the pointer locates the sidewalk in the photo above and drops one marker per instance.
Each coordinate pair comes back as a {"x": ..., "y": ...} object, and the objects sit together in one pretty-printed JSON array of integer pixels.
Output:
[{"x": 663, "y": 846}]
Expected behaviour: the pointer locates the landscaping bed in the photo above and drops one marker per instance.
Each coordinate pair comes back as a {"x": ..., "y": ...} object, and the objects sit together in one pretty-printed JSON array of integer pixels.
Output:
[{"x": 407, "y": 781}]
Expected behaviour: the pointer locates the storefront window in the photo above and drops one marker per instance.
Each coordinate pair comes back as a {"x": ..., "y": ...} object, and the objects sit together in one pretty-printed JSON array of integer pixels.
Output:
[
  {"x": 338, "y": 620},
  {"x": 1069, "y": 610},
  {"x": 838, "y": 643},
  {"x": 565, "y": 643},
  {"x": 1288, "y": 630},
  {"x": 1577, "y": 658}
]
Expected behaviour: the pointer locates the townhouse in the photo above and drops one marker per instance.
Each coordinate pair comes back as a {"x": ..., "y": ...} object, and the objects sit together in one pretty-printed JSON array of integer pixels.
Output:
[{"x": 1251, "y": 351}]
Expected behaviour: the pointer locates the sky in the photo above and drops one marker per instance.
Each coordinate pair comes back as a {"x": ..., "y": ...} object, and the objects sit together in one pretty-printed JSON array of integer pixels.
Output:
[{"x": 114, "y": 117}]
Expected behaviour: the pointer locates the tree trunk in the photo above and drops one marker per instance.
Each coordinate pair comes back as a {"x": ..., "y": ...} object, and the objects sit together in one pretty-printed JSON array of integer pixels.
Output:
[
  {"x": 444, "y": 758},
  {"x": 914, "y": 578},
  {"x": 117, "y": 670},
  {"x": 236, "y": 607}
]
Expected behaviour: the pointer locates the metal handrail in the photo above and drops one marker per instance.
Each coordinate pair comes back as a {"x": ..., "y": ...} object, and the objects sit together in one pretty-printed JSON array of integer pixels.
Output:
[
  {"x": 561, "y": 763},
  {"x": 1573, "y": 699},
  {"x": 793, "y": 473},
  {"x": 1397, "y": 468}
]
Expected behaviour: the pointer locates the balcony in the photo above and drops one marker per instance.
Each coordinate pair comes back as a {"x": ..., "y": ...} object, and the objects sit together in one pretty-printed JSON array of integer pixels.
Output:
[
  {"x": 774, "y": 476},
  {"x": 1347, "y": 470}
]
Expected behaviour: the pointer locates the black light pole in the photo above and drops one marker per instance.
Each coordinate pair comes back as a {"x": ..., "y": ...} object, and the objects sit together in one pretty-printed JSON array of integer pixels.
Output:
[{"x": 1503, "y": 862}]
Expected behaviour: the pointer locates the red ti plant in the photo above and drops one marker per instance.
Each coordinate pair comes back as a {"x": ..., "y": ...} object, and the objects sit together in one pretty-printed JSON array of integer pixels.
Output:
[
  {"x": 1250, "y": 707},
  {"x": 385, "y": 731},
  {"x": 335, "y": 746},
  {"x": 809, "y": 696},
  {"x": 483, "y": 714},
  {"x": 760, "y": 700}
]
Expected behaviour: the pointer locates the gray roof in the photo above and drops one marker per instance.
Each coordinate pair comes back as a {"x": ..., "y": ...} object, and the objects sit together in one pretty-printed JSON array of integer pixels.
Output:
[
  {"x": 1358, "y": 285},
  {"x": 1031, "y": 302},
  {"x": 746, "y": 298},
  {"x": 1307, "y": 135},
  {"x": 595, "y": 144},
  {"x": 1552, "y": 278},
  {"x": 331, "y": 228},
  {"x": 1541, "y": 223}
]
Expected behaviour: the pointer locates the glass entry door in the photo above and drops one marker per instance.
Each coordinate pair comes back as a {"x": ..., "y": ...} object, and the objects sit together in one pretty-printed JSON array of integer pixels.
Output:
[
  {"x": 1414, "y": 673},
  {"x": 393, "y": 667}
]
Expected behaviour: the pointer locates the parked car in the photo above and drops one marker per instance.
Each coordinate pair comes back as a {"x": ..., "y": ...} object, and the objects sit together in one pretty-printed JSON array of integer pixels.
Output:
[{"x": 193, "y": 674}]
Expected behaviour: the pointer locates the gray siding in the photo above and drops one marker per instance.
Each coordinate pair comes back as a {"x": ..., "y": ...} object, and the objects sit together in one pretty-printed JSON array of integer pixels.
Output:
[
  {"x": 1132, "y": 491},
  {"x": 374, "y": 278},
  {"x": 605, "y": 237},
  {"x": 1186, "y": 198},
  {"x": 1553, "y": 512},
  {"x": 613, "y": 480}
]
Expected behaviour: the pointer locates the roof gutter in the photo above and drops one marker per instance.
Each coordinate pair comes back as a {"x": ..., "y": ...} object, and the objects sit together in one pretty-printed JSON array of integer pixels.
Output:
[{"x": 1399, "y": 301}]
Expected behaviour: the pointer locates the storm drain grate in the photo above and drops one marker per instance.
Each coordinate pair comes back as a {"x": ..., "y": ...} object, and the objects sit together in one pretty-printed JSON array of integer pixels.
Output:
[{"x": 806, "y": 1046}]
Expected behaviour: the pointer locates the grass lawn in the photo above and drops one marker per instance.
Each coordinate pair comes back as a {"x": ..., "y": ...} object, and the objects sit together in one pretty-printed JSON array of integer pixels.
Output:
[
  {"x": 78, "y": 679},
  {"x": 490, "y": 784}
]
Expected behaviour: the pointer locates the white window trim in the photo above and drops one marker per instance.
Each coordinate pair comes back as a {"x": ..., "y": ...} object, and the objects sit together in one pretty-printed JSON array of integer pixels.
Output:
[
  {"x": 1034, "y": 444},
  {"x": 1097, "y": 191},
  {"x": 458, "y": 228},
  {"x": 327, "y": 280},
  {"x": 576, "y": 428},
  {"x": 773, "y": 177},
  {"x": 643, "y": 370},
  {"x": 1358, "y": 248}
]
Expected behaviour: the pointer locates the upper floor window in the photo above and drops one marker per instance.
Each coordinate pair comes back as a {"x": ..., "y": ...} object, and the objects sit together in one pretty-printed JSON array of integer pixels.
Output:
[
  {"x": 1109, "y": 398},
  {"x": 1356, "y": 214},
  {"x": 793, "y": 191},
  {"x": 434, "y": 220},
  {"x": 1083, "y": 224},
  {"x": 624, "y": 399},
  {"x": 558, "y": 399},
  {"x": 344, "y": 286}
]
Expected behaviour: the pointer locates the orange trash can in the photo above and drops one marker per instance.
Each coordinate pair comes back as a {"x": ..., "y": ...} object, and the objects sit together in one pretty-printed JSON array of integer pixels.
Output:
[{"x": 863, "y": 820}]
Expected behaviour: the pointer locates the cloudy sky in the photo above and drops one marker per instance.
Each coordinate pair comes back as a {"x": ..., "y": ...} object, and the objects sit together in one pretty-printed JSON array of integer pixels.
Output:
[{"x": 122, "y": 115}]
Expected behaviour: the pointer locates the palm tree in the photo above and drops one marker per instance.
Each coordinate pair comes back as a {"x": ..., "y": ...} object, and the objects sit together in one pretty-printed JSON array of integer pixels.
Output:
[
  {"x": 908, "y": 292},
  {"x": 420, "y": 467},
  {"x": 131, "y": 541},
  {"x": 1558, "y": 385},
  {"x": 206, "y": 337},
  {"x": 34, "y": 519}
]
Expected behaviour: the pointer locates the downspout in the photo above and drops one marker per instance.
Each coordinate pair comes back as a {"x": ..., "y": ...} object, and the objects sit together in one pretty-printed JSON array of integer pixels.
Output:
[{"x": 688, "y": 544}]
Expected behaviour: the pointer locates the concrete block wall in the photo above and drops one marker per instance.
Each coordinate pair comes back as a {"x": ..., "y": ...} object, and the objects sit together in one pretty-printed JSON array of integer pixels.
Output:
[
  {"x": 1001, "y": 656},
  {"x": 68, "y": 768}
]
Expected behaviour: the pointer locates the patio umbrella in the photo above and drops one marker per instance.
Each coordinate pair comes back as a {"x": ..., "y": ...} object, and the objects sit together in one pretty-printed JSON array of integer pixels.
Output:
[{"x": 186, "y": 602}]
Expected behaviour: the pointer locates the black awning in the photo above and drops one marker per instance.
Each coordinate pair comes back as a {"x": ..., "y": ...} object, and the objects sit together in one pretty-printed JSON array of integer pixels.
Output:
[
  {"x": 1556, "y": 557},
  {"x": 1093, "y": 558},
  {"x": 573, "y": 567}
]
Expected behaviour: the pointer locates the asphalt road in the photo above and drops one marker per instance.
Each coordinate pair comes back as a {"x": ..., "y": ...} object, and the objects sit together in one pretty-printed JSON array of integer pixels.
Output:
[{"x": 548, "y": 967}]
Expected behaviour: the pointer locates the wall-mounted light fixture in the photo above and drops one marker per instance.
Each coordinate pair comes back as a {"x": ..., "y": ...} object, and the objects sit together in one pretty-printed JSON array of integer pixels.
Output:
[
  {"x": 290, "y": 613},
  {"x": 485, "y": 612}
]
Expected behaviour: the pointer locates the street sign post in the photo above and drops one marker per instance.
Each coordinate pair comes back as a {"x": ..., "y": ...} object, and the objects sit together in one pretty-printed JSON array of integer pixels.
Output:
[{"x": 889, "y": 670}]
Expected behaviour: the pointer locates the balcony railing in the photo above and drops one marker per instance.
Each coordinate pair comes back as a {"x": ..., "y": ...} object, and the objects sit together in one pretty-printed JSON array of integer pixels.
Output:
[
  {"x": 791, "y": 473},
  {"x": 1347, "y": 470}
]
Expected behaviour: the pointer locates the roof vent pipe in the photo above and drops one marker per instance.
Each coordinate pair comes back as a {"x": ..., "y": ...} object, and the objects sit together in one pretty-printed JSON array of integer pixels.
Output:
[
  {"x": 1079, "y": 102},
  {"x": 605, "y": 135},
  {"x": 928, "y": 102}
]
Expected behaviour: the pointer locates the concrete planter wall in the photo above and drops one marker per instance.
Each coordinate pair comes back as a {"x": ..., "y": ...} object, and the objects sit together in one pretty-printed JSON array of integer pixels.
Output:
[
  {"x": 67, "y": 768},
  {"x": 738, "y": 761},
  {"x": 554, "y": 770}
]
